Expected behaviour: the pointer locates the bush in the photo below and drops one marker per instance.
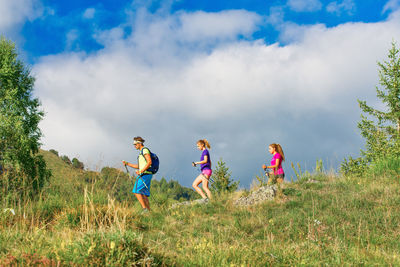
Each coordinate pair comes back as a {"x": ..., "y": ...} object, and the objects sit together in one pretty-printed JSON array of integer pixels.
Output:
[
  {"x": 66, "y": 160},
  {"x": 389, "y": 166},
  {"x": 77, "y": 164},
  {"x": 171, "y": 190},
  {"x": 354, "y": 167}
]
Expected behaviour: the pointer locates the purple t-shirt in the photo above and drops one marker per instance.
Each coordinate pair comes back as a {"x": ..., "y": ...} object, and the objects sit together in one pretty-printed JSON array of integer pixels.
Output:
[{"x": 207, "y": 165}]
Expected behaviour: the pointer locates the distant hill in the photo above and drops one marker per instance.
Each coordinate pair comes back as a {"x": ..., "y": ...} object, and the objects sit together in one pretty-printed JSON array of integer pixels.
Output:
[{"x": 69, "y": 181}]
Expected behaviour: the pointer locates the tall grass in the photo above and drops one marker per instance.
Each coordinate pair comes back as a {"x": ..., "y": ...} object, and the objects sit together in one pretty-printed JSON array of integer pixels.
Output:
[
  {"x": 332, "y": 221},
  {"x": 390, "y": 166}
]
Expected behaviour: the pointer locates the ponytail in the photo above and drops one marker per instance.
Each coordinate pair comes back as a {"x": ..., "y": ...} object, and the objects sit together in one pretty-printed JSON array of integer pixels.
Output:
[
  {"x": 205, "y": 143},
  {"x": 278, "y": 149}
]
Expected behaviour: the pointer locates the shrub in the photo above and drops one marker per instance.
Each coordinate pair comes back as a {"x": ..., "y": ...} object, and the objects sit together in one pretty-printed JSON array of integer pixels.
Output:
[
  {"x": 66, "y": 160},
  {"x": 222, "y": 179},
  {"x": 389, "y": 166},
  {"x": 353, "y": 167},
  {"x": 77, "y": 164}
]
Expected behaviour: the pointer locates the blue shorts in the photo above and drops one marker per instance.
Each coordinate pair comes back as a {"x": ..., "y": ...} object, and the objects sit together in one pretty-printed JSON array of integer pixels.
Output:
[{"x": 141, "y": 183}]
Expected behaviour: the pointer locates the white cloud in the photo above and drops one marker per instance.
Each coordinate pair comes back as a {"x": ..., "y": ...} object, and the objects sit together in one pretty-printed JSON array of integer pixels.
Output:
[
  {"x": 16, "y": 12},
  {"x": 304, "y": 5},
  {"x": 159, "y": 37},
  {"x": 89, "y": 13},
  {"x": 200, "y": 25},
  {"x": 347, "y": 6},
  {"x": 241, "y": 95},
  {"x": 276, "y": 15},
  {"x": 71, "y": 37},
  {"x": 391, "y": 5}
]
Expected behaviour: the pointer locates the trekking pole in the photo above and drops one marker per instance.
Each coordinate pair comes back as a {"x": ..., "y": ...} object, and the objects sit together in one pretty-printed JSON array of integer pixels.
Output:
[
  {"x": 139, "y": 177},
  {"x": 267, "y": 173}
]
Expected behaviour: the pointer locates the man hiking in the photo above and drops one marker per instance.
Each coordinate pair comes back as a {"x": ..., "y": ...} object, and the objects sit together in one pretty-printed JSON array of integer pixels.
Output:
[{"x": 141, "y": 189}]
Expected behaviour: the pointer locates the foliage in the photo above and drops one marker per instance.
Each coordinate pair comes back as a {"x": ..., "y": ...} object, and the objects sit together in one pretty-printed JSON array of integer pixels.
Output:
[
  {"x": 262, "y": 179},
  {"x": 66, "y": 159},
  {"x": 172, "y": 190},
  {"x": 382, "y": 132},
  {"x": 222, "y": 179},
  {"x": 385, "y": 166},
  {"x": 354, "y": 167},
  {"x": 116, "y": 183},
  {"x": 119, "y": 185},
  {"x": 77, "y": 164},
  {"x": 25, "y": 171},
  {"x": 112, "y": 249},
  {"x": 319, "y": 166},
  {"x": 298, "y": 172}
]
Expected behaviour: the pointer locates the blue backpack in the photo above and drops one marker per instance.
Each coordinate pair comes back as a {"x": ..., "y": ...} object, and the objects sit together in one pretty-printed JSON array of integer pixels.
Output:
[{"x": 155, "y": 162}]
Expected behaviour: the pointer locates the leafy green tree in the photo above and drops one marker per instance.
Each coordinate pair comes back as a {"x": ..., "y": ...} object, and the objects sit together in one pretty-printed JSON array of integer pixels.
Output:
[
  {"x": 222, "y": 178},
  {"x": 382, "y": 132},
  {"x": 25, "y": 170},
  {"x": 77, "y": 164}
]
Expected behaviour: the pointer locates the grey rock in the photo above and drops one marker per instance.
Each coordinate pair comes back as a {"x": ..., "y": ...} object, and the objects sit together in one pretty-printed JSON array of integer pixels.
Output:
[{"x": 258, "y": 196}]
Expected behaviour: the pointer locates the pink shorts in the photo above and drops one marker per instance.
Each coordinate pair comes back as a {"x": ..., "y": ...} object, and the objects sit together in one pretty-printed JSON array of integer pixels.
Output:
[{"x": 207, "y": 172}]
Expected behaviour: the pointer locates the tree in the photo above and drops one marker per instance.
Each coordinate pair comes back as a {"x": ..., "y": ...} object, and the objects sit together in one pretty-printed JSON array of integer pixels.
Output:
[
  {"x": 77, "y": 164},
  {"x": 222, "y": 179},
  {"x": 66, "y": 159},
  {"x": 382, "y": 132},
  {"x": 25, "y": 170}
]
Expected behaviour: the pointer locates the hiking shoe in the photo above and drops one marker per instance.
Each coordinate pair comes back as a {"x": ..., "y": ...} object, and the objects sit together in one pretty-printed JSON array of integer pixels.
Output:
[{"x": 144, "y": 211}]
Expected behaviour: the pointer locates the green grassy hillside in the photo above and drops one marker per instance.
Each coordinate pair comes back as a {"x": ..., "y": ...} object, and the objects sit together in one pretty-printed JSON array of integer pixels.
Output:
[{"x": 78, "y": 220}]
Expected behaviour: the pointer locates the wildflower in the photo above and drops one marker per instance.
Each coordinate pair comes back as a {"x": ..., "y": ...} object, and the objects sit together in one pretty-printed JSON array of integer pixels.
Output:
[
  {"x": 316, "y": 222},
  {"x": 10, "y": 210}
]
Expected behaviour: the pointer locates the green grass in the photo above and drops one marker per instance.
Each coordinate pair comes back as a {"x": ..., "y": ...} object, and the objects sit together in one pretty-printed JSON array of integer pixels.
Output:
[{"x": 336, "y": 221}]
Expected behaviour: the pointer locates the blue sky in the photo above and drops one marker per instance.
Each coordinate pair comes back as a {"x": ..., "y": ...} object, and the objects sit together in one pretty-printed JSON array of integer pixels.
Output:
[
  {"x": 242, "y": 74},
  {"x": 51, "y": 32}
]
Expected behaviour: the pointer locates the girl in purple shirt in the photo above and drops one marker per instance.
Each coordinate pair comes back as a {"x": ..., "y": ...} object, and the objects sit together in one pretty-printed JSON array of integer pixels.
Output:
[
  {"x": 276, "y": 163},
  {"x": 205, "y": 164}
]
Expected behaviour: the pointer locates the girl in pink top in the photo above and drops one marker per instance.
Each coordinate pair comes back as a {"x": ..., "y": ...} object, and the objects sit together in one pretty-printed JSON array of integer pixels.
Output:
[{"x": 276, "y": 162}]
